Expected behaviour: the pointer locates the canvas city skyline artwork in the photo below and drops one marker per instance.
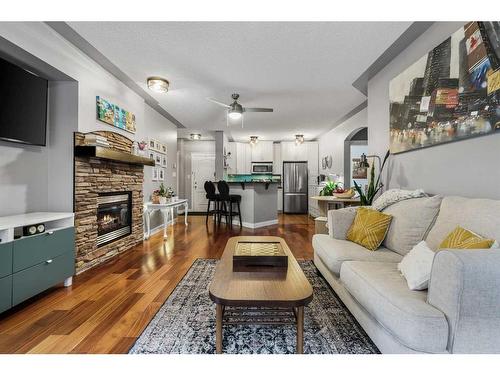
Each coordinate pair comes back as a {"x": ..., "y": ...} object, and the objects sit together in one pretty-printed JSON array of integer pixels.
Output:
[{"x": 449, "y": 94}]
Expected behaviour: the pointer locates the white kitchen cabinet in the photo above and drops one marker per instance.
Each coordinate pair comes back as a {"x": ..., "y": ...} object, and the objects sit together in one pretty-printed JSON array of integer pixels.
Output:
[
  {"x": 256, "y": 151},
  {"x": 290, "y": 151},
  {"x": 312, "y": 161},
  {"x": 277, "y": 161},
  {"x": 262, "y": 151},
  {"x": 240, "y": 157},
  {"x": 300, "y": 151},
  {"x": 307, "y": 151},
  {"x": 248, "y": 158}
]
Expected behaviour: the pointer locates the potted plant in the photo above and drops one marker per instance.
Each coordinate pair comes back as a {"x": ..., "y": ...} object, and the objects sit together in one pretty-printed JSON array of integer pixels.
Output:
[
  {"x": 162, "y": 195},
  {"x": 366, "y": 197},
  {"x": 329, "y": 188},
  {"x": 162, "y": 192}
]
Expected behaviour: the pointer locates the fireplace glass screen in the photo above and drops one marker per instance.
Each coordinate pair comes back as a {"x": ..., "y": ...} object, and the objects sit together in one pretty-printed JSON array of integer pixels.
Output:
[{"x": 114, "y": 216}]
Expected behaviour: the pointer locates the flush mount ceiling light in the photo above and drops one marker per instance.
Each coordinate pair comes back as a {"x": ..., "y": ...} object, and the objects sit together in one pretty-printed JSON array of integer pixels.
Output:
[
  {"x": 158, "y": 84},
  {"x": 254, "y": 139},
  {"x": 299, "y": 139},
  {"x": 195, "y": 137}
]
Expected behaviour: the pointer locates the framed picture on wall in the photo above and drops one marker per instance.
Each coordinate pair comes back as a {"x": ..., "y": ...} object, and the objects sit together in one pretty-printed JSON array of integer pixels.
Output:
[
  {"x": 158, "y": 146},
  {"x": 115, "y": 116},
  {"x": 157, "y": 159},
  {"x": 154, "y": 174},
  {"x": 161, "y": 174},
  {"x": 358, "y": 172},
  {"x": 164, "y": 160},
  {"x": 152, "y": 144}
]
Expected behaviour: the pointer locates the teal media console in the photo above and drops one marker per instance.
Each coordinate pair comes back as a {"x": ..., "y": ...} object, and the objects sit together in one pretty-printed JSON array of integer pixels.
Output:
[{"x": 30, "y": 265}]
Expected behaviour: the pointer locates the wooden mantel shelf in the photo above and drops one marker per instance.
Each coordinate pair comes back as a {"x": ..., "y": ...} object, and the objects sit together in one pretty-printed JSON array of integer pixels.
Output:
[{"x": 110, "y": 154}]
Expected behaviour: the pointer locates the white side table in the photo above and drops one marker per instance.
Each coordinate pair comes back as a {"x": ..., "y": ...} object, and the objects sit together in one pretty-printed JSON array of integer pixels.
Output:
[{"x": 167, "y": 210}]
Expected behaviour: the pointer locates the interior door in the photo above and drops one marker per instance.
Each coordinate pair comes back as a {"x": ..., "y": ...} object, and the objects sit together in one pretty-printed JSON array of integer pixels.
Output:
[{"x": 202, "y": 169}]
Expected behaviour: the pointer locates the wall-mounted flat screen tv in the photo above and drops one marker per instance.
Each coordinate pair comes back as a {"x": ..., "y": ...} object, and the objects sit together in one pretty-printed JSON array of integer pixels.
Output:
[{"x": 23, "y": 105}]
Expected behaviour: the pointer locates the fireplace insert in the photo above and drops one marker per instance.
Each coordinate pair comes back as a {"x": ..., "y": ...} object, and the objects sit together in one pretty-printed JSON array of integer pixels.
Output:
[{"x": 114, "y": 216}]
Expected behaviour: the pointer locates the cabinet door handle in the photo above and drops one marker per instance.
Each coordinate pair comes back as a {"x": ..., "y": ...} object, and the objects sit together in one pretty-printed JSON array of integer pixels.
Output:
[{"x": 48, "y": 261}]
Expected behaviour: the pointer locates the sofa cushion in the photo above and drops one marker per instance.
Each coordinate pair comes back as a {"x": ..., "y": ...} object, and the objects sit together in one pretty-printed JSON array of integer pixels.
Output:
[
  {"x": 334, "y": 252},
  {"x": 411, "y": 220},
  {"x": 369, "y": 228},
  {"x": 382, "y": 291},
  {"x": 477, "y": 215},
  {"x": 416, "y": 266},
  {"x": 462, "y": 238},
  {"x": 339, "y": 222}
]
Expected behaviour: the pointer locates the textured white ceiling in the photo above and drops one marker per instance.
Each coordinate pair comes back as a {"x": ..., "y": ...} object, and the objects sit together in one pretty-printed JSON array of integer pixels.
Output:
[{"x": 304, "y": 70}]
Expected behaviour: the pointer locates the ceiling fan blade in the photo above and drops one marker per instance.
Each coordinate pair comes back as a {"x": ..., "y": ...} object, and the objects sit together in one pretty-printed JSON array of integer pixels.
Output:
[
  {"x": 219, "y": 103},
  {"x": 257, "y": 109}
]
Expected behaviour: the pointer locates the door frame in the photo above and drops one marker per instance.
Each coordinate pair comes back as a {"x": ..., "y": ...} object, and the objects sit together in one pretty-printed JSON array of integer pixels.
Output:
[{"x": 197, "y": 156}]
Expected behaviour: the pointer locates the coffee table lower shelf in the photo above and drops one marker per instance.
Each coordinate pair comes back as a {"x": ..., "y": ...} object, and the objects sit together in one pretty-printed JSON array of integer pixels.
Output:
[{"x": 295, "y": 317}]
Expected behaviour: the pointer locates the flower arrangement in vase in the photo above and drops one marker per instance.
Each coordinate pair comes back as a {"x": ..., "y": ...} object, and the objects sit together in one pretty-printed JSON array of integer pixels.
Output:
[{"x": 162, "y": 195}]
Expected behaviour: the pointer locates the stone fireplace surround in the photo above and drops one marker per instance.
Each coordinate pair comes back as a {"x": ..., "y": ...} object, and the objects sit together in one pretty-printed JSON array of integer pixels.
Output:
[{"x": 93, "y": 176}]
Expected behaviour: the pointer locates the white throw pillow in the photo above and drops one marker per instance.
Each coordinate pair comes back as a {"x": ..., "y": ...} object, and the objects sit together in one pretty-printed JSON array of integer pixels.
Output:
[{"x": 416, "y": 266}]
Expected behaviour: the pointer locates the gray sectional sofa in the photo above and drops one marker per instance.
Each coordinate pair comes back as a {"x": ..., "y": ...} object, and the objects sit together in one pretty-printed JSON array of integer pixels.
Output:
[{"x": 459, "y": 313}]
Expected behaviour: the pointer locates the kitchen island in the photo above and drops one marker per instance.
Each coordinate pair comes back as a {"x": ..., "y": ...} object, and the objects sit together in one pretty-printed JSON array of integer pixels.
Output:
[{"x": 259, "y": 194}]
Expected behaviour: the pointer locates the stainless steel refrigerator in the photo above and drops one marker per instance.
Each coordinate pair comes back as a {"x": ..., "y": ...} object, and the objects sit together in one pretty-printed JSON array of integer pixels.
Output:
[{"x": 295, "y": 187}]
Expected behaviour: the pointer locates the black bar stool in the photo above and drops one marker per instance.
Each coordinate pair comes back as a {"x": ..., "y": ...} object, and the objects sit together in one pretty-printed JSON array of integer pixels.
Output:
[
  {"x": 230, "y": 199},
  {"x": 212, "y": 197}
]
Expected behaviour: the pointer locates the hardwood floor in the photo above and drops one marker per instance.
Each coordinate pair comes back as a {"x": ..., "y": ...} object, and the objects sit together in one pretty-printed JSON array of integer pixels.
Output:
[{"x": 108, "y": 307}]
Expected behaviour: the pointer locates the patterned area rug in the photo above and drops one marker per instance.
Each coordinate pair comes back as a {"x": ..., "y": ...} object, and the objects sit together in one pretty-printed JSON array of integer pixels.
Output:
[{"x": 185, "y": 324}]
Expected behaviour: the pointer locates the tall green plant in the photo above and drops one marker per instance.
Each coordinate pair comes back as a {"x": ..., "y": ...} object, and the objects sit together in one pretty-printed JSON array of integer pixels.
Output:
[{"x": 366, "y": 199}]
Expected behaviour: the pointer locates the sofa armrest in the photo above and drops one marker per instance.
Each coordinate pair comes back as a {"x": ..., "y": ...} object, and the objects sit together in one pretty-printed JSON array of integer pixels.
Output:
[
  {"x": 465, "y": 286},
  {"x": 339, "y": 222}
]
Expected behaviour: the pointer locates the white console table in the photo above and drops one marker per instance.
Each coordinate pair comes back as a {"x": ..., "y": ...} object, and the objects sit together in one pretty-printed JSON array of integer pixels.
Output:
[{"x": 167, "y": 210}]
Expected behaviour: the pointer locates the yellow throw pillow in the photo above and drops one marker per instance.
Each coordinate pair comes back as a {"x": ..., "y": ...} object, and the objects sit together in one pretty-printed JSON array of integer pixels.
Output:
[
  {"x": 462, "y": 238},
  {"x": 369, "y": 228}
]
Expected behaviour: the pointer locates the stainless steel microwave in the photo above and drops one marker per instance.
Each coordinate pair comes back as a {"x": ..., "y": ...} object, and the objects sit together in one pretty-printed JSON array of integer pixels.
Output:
[{"x": 262, "y": 168}]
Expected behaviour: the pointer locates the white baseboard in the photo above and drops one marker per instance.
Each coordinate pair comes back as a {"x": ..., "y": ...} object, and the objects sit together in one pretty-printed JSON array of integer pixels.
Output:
[{"x": 252, "y": 225}]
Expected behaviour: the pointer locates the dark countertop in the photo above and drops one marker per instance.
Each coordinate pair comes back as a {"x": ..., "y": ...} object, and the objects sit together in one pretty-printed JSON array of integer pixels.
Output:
[{"x": 255, "y": 178}]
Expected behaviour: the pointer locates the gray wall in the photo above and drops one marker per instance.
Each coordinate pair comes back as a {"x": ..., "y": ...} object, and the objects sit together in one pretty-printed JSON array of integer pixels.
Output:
[
  {"x": 63, "y": 121},
  {"x": 467, "y": 168},
  {"x": 35, "y": 178},
  {"x": 158, "y": 127},
  {"x": 41, "y": 178},
  {"x": 332, "y": 142}
]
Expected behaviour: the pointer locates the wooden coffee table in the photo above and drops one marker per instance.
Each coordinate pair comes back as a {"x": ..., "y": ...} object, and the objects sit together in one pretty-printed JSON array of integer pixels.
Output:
[{"x": 280, "y": 296}]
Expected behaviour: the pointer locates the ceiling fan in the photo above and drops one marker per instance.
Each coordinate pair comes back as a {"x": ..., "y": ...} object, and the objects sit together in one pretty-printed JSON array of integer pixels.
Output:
[{"x": 235, "y": 110}]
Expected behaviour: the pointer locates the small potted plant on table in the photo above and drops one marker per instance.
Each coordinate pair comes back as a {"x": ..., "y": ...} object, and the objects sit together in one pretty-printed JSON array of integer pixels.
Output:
[{"x": 162, "y": 195}]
